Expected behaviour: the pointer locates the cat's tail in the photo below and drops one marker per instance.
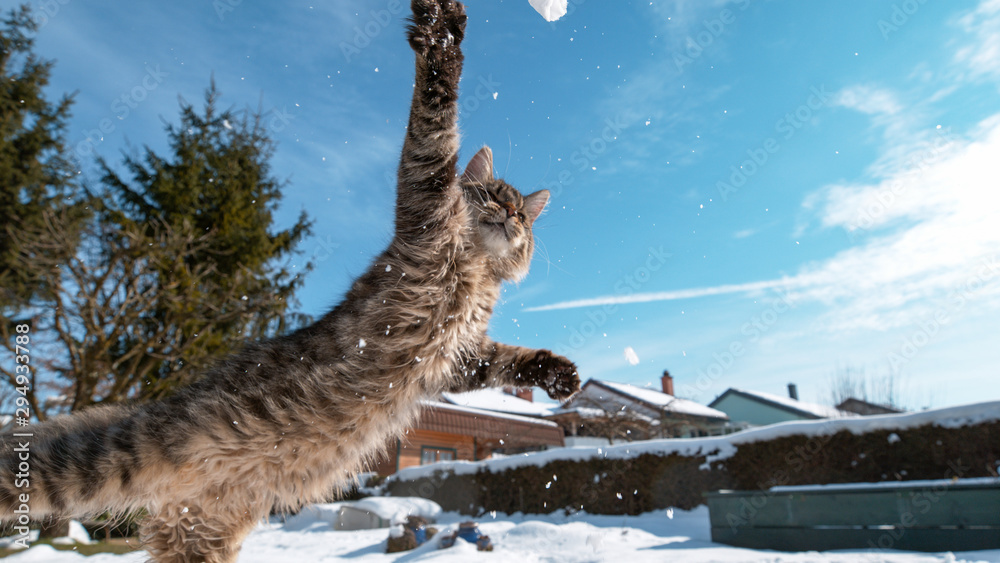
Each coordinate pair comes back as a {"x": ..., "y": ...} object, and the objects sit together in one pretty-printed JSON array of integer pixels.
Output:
[{"x": 69, "y": 466}]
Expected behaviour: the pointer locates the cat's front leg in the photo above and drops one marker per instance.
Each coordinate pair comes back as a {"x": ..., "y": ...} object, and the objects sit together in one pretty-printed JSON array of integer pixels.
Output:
[
  {"x": 556, "y": 374},
  {"x": 502, "y": 365},
  {"x": 438, "y": 27},
  {"x": 428, "y": 193}
]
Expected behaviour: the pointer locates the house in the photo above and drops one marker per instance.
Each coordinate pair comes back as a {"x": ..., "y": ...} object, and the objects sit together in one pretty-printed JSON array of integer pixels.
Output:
[
  {"x": 458, "y": 427},
  {"x": 756, "y": 408},
  {"x": 605, "y": 411},
  {"x": 864, "y": 408}
]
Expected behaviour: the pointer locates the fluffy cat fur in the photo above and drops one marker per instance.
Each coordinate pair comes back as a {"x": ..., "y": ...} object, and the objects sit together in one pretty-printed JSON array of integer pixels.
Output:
[{"x": 289, "y": 420}]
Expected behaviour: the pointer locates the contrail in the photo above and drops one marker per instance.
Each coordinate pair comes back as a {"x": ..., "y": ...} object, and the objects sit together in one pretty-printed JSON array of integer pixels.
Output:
[{"x": 671, "y": 295}]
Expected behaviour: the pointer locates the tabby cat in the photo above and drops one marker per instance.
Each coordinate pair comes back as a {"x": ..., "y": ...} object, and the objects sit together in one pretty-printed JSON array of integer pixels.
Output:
[{"x": 288, "y": 420}]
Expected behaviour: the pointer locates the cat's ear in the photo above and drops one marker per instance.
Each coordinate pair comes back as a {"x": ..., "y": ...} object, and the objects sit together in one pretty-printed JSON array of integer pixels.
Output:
[
  {"x": 535, "y": 203},
  {"x": 480, "y": 168}
]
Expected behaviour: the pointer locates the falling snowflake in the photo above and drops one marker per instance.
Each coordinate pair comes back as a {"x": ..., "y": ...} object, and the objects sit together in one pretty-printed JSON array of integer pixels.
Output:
[{"x": 631, "y": 357}]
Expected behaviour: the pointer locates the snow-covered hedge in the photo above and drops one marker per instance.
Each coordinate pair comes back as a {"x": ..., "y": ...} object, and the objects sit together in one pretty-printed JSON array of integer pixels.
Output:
[{"x": 641, "y": 476}]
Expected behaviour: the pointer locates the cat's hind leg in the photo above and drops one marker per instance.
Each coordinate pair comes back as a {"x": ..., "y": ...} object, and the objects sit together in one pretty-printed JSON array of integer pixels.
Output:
[{"x": 180, "y": 533}]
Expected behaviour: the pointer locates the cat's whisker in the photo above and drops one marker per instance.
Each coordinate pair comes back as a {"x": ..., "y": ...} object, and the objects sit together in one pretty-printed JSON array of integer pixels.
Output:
[{"x": 510, "y": 153}]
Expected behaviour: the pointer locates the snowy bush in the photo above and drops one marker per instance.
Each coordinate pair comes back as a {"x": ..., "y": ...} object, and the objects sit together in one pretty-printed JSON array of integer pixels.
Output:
[{"x": 649, "y": 481}]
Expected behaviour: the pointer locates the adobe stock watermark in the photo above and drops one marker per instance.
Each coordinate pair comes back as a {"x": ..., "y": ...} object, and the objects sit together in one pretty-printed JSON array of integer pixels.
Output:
[
  {"x": 795, "y": 462},
  {"x": 921, "y": 501},
  {"x": 571, "y": 6},
  {"x": 752, "y": 331},
  {"x": 928, "y": 329},
  {"x": 901, "y": 14},
  {"x": 365, "y": 34},
  {"x": 121, "y": 108},
  {"x": 223, "y": 7},
  {"x": 785, "y": 128},
  {"x": 46, "y": 11},
  {"x": 694, "y": 46},
  {"x": 486, "y": 89},
  {"x": 878, "y": 204},
  {"x": 586, "y": 156},
  {"x": 324, "y": 250},
  {"x": 273, "y": 120},
  {"x": 628, "y": 284}
]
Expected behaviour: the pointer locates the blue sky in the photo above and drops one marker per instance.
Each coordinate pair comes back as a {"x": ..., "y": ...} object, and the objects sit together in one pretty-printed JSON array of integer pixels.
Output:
[{"x": 747, "y": 193}]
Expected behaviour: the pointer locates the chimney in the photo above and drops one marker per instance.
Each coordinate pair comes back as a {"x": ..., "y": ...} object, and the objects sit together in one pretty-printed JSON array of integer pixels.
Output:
[
  {"x": 524, "y": 393},
  {"x": 793, "y": 392},
  {"x": 668, "y": 383}
]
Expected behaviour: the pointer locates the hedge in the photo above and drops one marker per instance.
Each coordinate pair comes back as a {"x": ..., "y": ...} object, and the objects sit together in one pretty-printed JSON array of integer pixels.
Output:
[{"x": 648, "y": 481}]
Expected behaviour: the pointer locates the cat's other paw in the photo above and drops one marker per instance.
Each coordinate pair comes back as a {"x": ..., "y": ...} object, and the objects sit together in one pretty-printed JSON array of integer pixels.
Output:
[
  {"x": 557, "y": 375},
  {"x": 436, "y": 26}
]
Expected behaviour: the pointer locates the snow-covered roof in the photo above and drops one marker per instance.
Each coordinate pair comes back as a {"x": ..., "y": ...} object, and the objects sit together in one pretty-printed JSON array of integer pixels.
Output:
[
  {"x": 486, "y": 412},
  {"x": 808, "y": 409},
  {"x": 584, "y": 412},
  {"x": 497, "y": 400},
  {"x": 662, "y": 400}
]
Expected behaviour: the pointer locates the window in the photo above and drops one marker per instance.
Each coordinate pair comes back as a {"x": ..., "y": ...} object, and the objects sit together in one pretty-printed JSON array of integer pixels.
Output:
[{"x": 430, "y": 454}]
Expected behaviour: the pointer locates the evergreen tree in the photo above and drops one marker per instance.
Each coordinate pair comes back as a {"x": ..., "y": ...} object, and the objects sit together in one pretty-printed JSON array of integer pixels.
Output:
[
  {"x": 35, "y": 172},
  {"x": 176, "y": 267},
  {"x": 216, "y": 192}
]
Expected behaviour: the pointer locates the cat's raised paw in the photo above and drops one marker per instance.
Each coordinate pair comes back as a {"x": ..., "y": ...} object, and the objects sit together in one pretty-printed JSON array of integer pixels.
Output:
[
  {"x": 559, "y": 376},
  {"x": 436, "y": 26}
]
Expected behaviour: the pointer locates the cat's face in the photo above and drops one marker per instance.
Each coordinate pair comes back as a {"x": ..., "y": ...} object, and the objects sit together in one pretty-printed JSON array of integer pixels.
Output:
[{"x": 502, "y": 218}]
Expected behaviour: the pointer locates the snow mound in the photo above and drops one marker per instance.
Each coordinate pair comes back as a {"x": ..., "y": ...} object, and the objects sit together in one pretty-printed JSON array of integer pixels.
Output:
[
  {"x": 551, "y": 10},
  {"x": 396, "y": 509},
  {"x": 367, "y": 513}
]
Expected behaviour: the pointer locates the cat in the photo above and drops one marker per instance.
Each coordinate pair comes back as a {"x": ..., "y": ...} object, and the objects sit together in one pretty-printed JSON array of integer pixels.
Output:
[{"x": 289, "y": 420}]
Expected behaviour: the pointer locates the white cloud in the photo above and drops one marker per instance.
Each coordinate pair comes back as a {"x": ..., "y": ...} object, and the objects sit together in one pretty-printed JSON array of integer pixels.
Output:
[
  {"x": 983, "y": 25},
  {"x": 945, "y": 207},
  {"x": 867, "y": 99},
  {"x": 942, "y": 255}
]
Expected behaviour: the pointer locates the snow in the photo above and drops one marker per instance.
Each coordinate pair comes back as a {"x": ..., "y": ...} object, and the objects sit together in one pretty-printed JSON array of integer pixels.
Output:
[
  {"x": 725, "y": 446},
  {"x": 916, "y": 483},
  {"x": 664, "y": 401},
  {"x": 821, "y": 411},
  {"x": 473, "y": 410},
  {"x": 77, "y": 534},
  {"x": 551, "y": 10},
  {"x": 584, "y": 412},
  {"x": 631, "y": 357},
  {"x": 497, "y": 400},
  {"x": 678, "y": 536},
  {"x": 396, "y": 509}
]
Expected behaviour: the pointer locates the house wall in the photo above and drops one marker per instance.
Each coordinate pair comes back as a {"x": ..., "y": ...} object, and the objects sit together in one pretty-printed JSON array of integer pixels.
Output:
[
  {"x": 411, "y": 449},
  {"x": 741, "y": 409}
]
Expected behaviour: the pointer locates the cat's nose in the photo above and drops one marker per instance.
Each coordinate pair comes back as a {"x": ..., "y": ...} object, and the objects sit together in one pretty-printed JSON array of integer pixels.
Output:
[{"x": 511, "y": 210}]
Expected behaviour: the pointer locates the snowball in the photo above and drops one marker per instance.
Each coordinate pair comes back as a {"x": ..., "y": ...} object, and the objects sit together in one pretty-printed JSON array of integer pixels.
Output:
[
  {"x": 551, "y": 10},
  {"x": 893, "y": 438},
  {"x": 631, "y": 357}
]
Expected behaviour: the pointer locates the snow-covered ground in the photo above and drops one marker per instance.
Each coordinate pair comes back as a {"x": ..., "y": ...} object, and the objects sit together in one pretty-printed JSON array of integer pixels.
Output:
[{"x": 676, "y": 536}]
